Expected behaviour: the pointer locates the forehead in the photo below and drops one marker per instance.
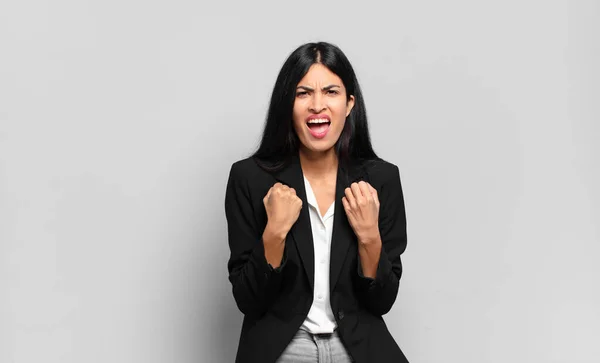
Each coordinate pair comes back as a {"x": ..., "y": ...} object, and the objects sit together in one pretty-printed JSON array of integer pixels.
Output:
[{"x": 318, "y": 74}]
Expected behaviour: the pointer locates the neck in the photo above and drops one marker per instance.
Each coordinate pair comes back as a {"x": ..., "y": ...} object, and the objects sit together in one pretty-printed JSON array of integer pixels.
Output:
[{"x": 318, "y": 164}]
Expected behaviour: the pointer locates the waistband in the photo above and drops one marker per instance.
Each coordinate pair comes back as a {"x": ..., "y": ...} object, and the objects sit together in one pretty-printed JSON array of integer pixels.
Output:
[{"x": 302, "y": 332}]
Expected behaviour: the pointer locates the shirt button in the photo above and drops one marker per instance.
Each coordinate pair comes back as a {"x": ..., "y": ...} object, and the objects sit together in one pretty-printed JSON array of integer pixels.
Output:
[
  {"x": 320, "y": 297},
  {"x": 322, "y": 260},
  {"x": 341, "y": 314},
  {"x": 322, "y": 228}
]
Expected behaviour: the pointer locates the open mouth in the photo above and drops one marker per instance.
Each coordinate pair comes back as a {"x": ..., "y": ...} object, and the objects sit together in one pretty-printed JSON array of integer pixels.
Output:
[{"x": 318, "y": 127}]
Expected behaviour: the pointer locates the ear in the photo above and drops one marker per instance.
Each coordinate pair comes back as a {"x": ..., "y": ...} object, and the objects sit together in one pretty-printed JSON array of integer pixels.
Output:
[{"x": 349, "y": 105}]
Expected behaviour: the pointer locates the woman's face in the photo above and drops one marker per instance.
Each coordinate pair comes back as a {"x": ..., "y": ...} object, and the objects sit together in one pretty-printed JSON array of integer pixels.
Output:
[{"x": 320, "y": 108}]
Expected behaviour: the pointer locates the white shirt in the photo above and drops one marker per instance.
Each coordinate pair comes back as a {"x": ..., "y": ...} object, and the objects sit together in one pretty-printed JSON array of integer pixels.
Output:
[{"x": 320, "y": 316}]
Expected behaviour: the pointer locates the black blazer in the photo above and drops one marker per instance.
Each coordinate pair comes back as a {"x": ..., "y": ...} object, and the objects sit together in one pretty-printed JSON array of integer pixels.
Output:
[{"x": 275, "y": 302}]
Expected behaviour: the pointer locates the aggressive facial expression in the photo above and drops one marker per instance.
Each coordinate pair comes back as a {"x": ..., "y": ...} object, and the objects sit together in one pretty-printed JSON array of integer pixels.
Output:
[{"x": 320, "y": 109}]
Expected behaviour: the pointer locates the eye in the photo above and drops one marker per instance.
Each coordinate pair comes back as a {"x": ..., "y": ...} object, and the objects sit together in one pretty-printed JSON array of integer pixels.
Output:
[
  {"x": 301, "y": 93},
  {"x": 333, "y": 92}
]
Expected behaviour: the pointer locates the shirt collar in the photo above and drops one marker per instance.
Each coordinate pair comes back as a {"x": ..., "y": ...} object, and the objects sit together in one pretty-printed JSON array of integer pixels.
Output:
[{"x": 311, "y": 199}]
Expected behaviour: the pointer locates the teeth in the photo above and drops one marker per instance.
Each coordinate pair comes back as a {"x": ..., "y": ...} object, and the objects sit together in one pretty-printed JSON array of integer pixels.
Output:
[{"x": 318, "y": 121}]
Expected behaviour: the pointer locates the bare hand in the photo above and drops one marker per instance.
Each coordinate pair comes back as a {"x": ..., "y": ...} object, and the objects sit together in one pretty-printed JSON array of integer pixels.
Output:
[
  {"x": 283, "y": 208},
  {"x": 361, "y": 204}
]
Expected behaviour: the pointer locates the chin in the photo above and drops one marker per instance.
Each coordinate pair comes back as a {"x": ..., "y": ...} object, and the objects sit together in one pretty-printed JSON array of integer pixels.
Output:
[{"x": 319, "y": 146}]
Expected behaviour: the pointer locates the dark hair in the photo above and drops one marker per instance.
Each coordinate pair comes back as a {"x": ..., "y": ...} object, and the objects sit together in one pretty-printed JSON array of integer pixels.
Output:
[{"x": 279, "y": 140}]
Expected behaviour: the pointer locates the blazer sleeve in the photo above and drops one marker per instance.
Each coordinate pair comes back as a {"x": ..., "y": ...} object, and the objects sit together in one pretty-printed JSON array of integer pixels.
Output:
[
  {"x": 379, "y": 294},
  {"x": 254, "y": 282}
]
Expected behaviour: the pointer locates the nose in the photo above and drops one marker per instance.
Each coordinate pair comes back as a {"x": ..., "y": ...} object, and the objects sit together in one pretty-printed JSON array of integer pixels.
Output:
[{"x": 317, "y": 104}]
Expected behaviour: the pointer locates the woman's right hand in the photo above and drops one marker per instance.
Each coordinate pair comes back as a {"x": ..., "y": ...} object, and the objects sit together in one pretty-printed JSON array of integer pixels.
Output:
[{"x": 283, "y": 209}]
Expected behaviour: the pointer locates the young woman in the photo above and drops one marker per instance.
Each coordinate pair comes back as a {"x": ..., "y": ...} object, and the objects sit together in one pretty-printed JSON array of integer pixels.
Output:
[{"x": 316, "y": 224}]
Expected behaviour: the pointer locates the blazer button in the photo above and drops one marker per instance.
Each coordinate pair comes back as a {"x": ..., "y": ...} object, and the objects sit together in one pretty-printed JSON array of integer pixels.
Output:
[{"x": 341, "y": 314}]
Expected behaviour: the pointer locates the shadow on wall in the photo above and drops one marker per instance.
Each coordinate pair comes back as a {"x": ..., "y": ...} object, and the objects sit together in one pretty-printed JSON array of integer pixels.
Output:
[
  {"x": 217, "y": 324},
  {"x": 227, "y": 324},
  {"x": 213, "y": 334}
]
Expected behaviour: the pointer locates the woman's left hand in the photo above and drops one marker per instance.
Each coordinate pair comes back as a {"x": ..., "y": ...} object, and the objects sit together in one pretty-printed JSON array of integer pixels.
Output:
[{"x": 361, "y": 204}]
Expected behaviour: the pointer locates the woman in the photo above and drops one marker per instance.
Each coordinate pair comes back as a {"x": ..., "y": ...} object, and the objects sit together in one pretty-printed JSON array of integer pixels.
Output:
[{"x": 316, "y": 224}]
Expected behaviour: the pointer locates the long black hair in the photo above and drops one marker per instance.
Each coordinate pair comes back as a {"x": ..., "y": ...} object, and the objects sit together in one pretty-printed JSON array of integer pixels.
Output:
[{"x": 279, "y": 140}]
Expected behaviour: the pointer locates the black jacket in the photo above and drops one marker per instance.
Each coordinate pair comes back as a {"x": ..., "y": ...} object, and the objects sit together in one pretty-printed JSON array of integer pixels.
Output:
[{"x": 275, "y": 302}]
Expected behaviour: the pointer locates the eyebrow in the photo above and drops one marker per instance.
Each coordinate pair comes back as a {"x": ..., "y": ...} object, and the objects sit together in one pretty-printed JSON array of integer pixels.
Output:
[{"x": 326, "y": 88}]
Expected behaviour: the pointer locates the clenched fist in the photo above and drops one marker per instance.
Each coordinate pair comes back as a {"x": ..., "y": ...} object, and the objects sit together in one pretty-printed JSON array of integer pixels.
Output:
[
  {"x": 283, "y": 209},
  {"x": 361, "y": 204}
]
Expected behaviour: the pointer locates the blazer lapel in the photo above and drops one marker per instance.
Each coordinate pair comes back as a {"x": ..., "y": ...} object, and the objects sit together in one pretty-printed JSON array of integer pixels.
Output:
[
  {"x": 342, "y": 235},
  {"x": 292, "y": 176},
  {"x": 301, "y": 232}
]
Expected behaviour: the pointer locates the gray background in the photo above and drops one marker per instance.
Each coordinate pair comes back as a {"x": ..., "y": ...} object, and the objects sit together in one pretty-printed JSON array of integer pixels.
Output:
[{"x": 119, "y": 121}]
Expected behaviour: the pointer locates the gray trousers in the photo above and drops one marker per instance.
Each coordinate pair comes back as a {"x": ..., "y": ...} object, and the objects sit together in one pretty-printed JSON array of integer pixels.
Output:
[{"x": 315, "y": 348}]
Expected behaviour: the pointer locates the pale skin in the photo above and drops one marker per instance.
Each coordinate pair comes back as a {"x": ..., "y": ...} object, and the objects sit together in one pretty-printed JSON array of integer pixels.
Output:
[{"x": 322, "y": 92}]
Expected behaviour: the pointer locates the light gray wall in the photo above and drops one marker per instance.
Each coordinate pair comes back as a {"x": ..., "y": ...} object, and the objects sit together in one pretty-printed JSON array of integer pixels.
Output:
[{"x": 119, "y": 121}]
